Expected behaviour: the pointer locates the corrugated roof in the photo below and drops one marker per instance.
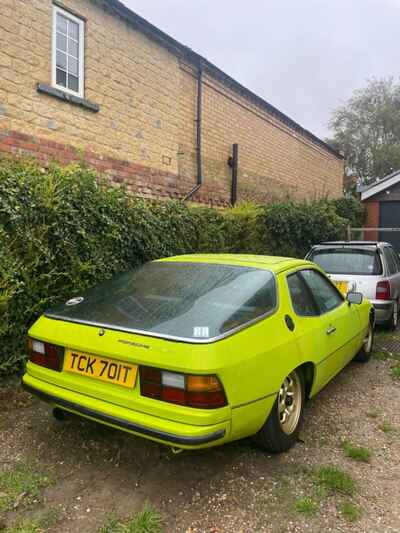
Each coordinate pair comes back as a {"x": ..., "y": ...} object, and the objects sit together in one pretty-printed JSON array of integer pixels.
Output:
[{"x": 176, "y": 47}]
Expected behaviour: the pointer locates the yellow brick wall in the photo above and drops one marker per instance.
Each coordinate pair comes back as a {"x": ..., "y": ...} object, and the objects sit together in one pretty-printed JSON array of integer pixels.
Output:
[
  {"x": 274, "y": 161},
  {"x": 147, "y": 117}
]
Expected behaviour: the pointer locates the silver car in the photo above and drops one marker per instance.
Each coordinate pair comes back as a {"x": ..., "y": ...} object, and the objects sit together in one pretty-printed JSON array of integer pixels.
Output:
[{"x": 369, "y": 267}]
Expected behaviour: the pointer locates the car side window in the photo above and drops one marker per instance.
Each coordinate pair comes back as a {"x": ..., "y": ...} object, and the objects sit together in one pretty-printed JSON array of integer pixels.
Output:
[
  {"x": 390, "y": 262},
  {"x": 394, "y": 259},
  {"x": 326, "y": 296},
  {"x": 302, "y": 301}
]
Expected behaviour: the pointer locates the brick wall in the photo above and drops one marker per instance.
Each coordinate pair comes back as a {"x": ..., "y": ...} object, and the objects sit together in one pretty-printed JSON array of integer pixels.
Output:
[
  {"x": 145, "y": 131},
  {"x": 372, "y": 220}
]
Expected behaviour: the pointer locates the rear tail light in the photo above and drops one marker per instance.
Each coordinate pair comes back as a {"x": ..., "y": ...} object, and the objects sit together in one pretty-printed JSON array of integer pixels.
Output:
[
  {"x": 203, "y": 392},
  {"x": 45, "y": 354},
  {"x": 383, "y": 290}
]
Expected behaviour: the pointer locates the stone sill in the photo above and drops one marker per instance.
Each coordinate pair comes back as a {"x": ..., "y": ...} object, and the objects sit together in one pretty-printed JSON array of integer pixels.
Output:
[{"x": 66, "y": 97}]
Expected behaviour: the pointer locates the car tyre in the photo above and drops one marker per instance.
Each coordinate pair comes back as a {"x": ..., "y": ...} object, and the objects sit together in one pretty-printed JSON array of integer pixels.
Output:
[
  {"x": 280, "y": 431},
  {"x": 394, "y": 320},
  {"x": 364, "y": 355}
]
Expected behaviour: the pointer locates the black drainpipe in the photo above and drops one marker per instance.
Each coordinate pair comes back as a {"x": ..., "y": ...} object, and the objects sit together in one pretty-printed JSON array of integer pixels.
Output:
[
  {"x": 198, "y": 137},
  {"x": 233, "y": 162}
]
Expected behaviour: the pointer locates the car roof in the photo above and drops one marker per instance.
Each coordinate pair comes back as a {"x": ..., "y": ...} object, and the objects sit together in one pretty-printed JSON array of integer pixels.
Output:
[
  {"x": 267, "y": 262},
  {"x": 353, "y": 243}
]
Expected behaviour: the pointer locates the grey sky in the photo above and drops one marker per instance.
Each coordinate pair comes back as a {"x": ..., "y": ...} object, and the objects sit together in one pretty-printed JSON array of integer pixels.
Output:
[{"x": 304, "y": 57}]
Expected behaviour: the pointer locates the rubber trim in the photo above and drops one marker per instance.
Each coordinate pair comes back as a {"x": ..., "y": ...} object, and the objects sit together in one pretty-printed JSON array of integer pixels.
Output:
[{"x": 169, "y": 437}]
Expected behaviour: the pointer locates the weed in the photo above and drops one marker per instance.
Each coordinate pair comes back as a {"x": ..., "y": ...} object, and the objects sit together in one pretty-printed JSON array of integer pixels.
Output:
[
  {"x": 112, "y": 524},
  {"x": 374, "y": 414},
  {"x": 21, "y": 485},
  {"x": 307, "y": 506},
  {"x": 147, "y": 521},
  {"x": 387, "y": 427},
  {"x": 36, "y": 525},
  {"x": 381, "y": 356},
  {"x": 358, "y": 453},
  {"x": 336, "y": 480},
  {"x": 350, "y": 511},
  {"x": 395, "y": 372}
]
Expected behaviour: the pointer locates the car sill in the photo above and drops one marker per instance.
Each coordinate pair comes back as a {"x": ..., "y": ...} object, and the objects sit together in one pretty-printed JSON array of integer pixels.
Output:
[{"x": 123, "y": 424}]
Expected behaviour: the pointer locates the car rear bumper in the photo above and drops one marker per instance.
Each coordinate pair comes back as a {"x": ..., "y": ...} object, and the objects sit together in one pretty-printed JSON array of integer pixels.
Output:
[
  {"x": 154, "y": 428},
  {"x": 383, "y": 310}
]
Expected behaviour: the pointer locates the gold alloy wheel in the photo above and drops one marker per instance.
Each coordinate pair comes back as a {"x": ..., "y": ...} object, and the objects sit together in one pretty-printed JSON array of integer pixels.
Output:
[{"x": 290, "y": 401}]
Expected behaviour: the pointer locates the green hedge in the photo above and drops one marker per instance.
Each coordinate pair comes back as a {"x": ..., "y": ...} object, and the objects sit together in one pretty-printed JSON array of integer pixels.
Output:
[{"x": 62, "y": 230}]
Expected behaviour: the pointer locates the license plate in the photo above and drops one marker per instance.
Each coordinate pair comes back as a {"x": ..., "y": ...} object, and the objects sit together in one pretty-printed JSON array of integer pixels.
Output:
[
  {"x": 342, "y": 286},
  {"x": 101, "y": 368}
]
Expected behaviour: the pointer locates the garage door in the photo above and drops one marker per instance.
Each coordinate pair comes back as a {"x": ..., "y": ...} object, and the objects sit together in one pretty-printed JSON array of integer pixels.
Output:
[{"x": 389, "y": 217}]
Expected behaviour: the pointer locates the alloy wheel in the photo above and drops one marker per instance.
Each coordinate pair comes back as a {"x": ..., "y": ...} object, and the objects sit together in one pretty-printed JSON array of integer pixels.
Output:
[
  {"x": 369, "y": 340},
  {"x": 290, "y": 401}
]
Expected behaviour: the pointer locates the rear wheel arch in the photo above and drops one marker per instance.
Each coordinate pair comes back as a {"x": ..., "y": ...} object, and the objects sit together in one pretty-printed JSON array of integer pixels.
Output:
[{"x": 308, "y": 371}]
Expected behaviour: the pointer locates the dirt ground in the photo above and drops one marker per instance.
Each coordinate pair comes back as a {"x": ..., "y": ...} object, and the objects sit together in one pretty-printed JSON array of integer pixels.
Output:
[{"x": 75, "y": 473}]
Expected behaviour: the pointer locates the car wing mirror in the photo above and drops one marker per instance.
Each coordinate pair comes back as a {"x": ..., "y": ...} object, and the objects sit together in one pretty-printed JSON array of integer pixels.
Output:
[{"x": 354, "y": 298}]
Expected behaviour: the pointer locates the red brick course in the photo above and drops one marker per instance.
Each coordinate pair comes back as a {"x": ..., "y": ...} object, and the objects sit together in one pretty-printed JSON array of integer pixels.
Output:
[{"x": 140, "y": 180}]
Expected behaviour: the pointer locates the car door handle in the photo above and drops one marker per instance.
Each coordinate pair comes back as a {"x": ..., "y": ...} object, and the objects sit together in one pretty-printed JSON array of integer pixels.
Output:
[{"x": 330, "y": 330}]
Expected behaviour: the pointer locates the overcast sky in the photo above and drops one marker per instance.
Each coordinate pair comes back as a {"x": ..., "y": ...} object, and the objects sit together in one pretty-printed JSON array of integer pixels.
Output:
[{"x": 304, "y": 57}]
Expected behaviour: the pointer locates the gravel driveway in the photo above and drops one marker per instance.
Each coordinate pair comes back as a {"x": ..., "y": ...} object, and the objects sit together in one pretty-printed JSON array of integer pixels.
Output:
[{"x": 344, "y": 475}]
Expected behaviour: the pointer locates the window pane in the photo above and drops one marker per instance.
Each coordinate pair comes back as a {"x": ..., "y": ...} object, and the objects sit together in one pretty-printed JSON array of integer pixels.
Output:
[
  {"x": 73, "y": 83},
  {"x": 73, "y": 48},
  {"x": 348, "y": 261},
  {"x": 73, "y": 30},
  {"x": 189, "y": 300},
  {"x": 61, "y": 42},
  {"x": 61, "y": 23},
  {"x": 325, "y": 294},
  {"x": 61, "y": 60},
  {"x": 300, "y": 295},
  {"x": 73, "y": 66},
  {"x": 61, "y": 77}
]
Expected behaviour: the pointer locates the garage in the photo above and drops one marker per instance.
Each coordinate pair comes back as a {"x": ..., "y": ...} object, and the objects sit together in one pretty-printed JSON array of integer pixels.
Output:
[
  {"x": 389, "y": 217},
  {"x": 382, "y": 202}
]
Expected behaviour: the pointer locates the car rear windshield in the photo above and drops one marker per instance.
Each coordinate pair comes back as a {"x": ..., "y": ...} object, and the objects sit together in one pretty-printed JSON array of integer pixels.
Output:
[
  {"x": 175, "y": 299},
  {"x": 348, "y": 261}
]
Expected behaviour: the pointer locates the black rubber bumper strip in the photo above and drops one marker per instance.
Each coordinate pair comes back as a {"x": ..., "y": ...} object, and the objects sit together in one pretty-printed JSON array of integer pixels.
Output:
[{"x": 123, "y": 424}]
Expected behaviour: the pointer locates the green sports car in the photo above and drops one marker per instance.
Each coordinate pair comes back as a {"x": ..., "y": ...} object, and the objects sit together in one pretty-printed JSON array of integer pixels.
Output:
[{"x": 199, "y": 350}]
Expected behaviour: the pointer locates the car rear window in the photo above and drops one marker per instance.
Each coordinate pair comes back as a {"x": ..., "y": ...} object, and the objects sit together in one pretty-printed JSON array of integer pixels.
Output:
[
  {"x": 176, "y": 299},
  {"x": 348, "y": 261}
]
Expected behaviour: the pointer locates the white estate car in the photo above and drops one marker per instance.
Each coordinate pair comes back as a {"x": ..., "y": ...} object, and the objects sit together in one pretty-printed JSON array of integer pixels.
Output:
[{"x": 369, "y": 267}]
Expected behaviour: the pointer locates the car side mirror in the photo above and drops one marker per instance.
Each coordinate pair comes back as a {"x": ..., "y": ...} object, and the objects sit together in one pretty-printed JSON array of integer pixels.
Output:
[{"x": 354, "y": 298}]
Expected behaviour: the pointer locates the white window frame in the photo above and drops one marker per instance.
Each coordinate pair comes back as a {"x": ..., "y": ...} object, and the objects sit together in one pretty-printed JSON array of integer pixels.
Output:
[{"x": 81, "y": 24}]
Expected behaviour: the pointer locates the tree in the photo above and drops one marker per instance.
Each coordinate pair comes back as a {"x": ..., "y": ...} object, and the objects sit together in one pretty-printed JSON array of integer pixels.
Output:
[{"x": 367, "y": 130}]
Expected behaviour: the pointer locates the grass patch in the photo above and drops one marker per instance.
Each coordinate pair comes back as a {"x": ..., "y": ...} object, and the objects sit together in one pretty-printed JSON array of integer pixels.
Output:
[
  {"x": 387, "y": 427},
  {"x": 335, "y": 480},
  {"x": 374, "y": 414},
  {"x": 395, "y": 372},
  {"x": 358, "y": 453},
  {"x": 381, "y": 356},
  {"x": 349, "y": 511},
  {"x": 307, "y": 506},
  {"x": 38, "y": 524},
  {"x": 147, "y": 521},
  {"x": 21, "y": 485}
]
